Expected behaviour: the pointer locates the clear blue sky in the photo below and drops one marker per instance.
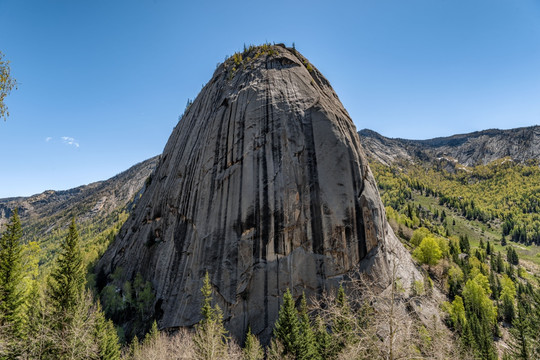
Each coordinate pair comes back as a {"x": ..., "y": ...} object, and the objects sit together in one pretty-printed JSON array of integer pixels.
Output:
[{"x": 102, "y": 82}]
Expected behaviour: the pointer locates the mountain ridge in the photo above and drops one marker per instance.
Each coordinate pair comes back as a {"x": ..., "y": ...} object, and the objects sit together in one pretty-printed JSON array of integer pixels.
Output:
[
  {"x": 479, "y": 147},
  {"x": 99, "y": 209}
]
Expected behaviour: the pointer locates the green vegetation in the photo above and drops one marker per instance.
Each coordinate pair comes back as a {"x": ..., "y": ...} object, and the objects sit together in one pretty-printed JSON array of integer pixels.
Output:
[
  {"x": 210, "y": 335},
  {"x": 62, "y": 321},
  {"x": 11, "y": 276},
  {"x": 428, "y": 252},
  {"x": 503, "y": 194},
  {"x": 250, "y": 53},
  {"x": 67, "y": 280},
  {"x": 7, "y": 84},
  {"x": 56, "y": 319},
  {"x": 474, "y": 214}
]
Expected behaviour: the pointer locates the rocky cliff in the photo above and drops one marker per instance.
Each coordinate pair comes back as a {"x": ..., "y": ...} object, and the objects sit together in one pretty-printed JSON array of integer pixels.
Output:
[
  {"x": 264, "y": 185},
  {"x": 481, "y": 147}
]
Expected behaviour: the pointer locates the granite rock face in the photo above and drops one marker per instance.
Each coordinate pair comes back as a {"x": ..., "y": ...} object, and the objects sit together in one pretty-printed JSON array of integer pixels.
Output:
[{"x": 264, "y": 184}]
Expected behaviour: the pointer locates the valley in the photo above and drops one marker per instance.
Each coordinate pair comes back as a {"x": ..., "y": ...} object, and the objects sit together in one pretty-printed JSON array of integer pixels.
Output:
[{"x": 270, "y": 229}]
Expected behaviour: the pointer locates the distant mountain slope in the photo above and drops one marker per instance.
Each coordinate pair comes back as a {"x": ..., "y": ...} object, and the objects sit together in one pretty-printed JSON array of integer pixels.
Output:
[
  {"x": 98, "y": 208},
  {"x": 491, "y": 176},
  {"x": 481, "y": 147}
]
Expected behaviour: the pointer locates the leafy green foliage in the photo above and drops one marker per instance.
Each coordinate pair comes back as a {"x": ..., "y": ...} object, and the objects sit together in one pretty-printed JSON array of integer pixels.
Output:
[
  {"x": 428, "y": 252},
  {"x": 419, "y": 235},
  {"x": 7, "y": 84},
  {"x": 501, "y": 192}
]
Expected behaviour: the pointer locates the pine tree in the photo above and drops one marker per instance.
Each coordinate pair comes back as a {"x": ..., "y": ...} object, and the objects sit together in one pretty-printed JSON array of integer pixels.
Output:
[
  {"x": 66, "y": 283},
  {"x": 210, "y": 336},
  {"x": 106, "y": 337},
  {"x": 36, "y": 322},
  {"x": 206, "y": 309},
  {"x": 535, "y": 323},
  {"x": 464, "y": 244},
  {"x": 152, "y": 335},
  {"x": 521, "y": 334},
  {"x": 252, "y": 349},
  {"x": 508, "y": 295},
  {"x": 343, "y": 326},
  {"x": 134, "y": 348},
  {"x": 287, "y": 327},
  {"x": 323, "y": 339},
  {"x": 307, "y": 346},
  {"x": 11, "y": 276},
  {"x": 500, "y": 263}
]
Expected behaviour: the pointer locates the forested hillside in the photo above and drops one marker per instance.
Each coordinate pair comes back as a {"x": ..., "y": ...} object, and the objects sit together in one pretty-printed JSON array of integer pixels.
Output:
[
  {"x": 473, "y": 231},
  {"x": 100, "y": 209},
  {"x": 476, "y": 230}
]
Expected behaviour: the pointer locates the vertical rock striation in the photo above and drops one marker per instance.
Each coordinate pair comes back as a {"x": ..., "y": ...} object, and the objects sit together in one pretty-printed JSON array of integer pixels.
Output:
[{"x": 263, "y": 183}]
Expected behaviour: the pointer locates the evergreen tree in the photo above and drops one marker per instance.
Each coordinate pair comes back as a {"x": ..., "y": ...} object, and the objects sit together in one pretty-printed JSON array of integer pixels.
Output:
[
  {"x": 521, "y": 333},
  {"x": 464, "y": 244},
  {"x": 342, "y": 324},
  {"x": 307, "y": 346},
  {"x": 152, "y": 335},
  {"x": 66, "y": 283},
  {"x": 11, "y": 276},
  {"x": 323, "y": 339},
  {"x": 210, "y": 336},
  {"x": 36, "y": 322},
  {"x": 207, "y": 311},
  {"x": 106, "y": 337},
  {"x": 508, "y": 294},
  {"x": 500, "y": 263},
  {"x": 512, "y": 256},
  {"x": 134, "y": 348},
  {"x": 535, "y": 323},
  {"x": 481, "y": 316},
  {"x": 252, "y": 348},
  {"x": 287, "y": 326}
]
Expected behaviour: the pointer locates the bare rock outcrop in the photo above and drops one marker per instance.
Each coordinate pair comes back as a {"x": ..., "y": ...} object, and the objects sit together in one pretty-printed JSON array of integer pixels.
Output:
[
  {"x": 480, "y": 147},
  {"x": 264, "y": 184}
]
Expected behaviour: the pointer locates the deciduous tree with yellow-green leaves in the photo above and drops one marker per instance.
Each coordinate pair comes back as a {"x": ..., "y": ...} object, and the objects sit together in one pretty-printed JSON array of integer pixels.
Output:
[{"x": 7, "y": 83}]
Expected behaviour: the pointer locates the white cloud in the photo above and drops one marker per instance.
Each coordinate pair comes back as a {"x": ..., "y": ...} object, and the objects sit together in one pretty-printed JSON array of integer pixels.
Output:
[
  {"x": 48, "y": 138},
  {"x": 70, "y": 141}
]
